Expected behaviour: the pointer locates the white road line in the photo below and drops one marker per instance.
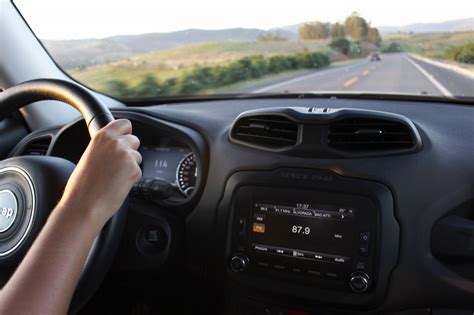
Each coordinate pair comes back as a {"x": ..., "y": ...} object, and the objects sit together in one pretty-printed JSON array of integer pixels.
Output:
[
  {"x": 435, "y": 82},
  {"x": 304, "y": 77}
]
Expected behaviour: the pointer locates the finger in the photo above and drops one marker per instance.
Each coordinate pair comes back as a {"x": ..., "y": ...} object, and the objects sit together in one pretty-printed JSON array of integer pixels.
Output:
[
  {"x": 136, "y": 156},
  {"x": 120, "y": 127},
  {"x": 131, "y": 141}
]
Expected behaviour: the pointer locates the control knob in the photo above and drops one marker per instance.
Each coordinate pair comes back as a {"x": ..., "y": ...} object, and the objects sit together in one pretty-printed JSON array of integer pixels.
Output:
[
  {"x": 359, "y": 281},
  {"x": 238, "y": 262}
]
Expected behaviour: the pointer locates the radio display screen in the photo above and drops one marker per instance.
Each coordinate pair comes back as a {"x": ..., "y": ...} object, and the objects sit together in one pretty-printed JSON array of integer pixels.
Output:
[{"x": 310, "y": 231}]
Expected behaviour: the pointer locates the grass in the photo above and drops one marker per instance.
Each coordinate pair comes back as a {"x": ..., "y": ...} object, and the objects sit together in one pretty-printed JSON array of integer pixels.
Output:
[
  {"x": 431, "y": 45},
  {"x": 177, "y": 61}
]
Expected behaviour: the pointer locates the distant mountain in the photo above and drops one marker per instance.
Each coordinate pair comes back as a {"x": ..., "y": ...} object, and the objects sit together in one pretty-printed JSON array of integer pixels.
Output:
[
  {"x": 447, "y": 26},
  {"x": 160, "y": 41},
  {"x": 86, "y": 52}
]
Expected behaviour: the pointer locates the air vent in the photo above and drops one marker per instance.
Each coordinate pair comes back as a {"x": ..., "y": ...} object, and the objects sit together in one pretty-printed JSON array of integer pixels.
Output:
[
  {"x": 38, "y": 146},
  {"x": 370, "y": 134},
  {"x": 271, "y": 131}
]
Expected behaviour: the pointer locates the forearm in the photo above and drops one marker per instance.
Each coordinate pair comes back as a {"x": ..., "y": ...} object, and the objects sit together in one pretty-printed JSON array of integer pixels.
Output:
[{"x": 47, "y": 277}]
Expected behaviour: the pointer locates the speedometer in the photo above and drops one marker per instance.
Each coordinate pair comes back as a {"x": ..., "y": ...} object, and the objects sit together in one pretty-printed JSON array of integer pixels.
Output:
[{"x": 186, "y": 174}]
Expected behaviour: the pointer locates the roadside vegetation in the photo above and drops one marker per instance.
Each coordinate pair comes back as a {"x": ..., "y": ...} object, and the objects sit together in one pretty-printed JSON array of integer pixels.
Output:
[
  {"x": 202, "y": 67},
  {"x": 453, "y": 46},
  {"x": 205, "y": 77},
  {"x": 461, "y": 53}
]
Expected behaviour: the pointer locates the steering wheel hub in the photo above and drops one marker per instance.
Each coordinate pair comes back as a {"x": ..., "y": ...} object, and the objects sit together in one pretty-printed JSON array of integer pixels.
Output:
[
  {"x": 17, "y": 208},
  {"x": 8, "y": 210}
]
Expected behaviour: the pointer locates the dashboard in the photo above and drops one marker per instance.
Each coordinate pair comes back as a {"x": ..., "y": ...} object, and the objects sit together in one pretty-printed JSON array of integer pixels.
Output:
[{"x": 303, "y": 205}]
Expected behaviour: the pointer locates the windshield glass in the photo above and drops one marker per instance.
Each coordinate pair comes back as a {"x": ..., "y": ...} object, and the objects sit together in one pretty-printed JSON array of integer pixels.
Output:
[{"x": 151, "y": 49}]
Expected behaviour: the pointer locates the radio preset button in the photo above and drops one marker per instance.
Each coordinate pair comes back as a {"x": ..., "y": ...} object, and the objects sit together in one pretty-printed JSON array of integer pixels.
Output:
[
  {"x": 296, "y": 270},
  {"x": 314, "y": 273},
  {"x": 279, "y": 267},
  {"x": 263, "y": 264},
  {"x": 332, "y": 275}
]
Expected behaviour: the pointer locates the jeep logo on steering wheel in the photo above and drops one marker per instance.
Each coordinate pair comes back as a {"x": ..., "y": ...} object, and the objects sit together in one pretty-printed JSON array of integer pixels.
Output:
[{"x": 8, "y": 210}]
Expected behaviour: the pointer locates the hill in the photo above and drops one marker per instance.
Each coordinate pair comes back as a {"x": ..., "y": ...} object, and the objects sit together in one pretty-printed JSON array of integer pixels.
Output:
[
  {"x": 88, "y": 52},
  {"x": 446, "y": 26}
]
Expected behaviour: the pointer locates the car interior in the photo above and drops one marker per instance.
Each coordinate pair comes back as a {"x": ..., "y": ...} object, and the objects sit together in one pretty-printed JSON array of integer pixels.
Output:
[{"x": 266, "y": 203}]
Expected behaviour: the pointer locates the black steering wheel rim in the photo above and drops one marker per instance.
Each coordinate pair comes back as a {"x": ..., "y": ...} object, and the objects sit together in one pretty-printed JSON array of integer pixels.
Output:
[
  {"x": 94, "y": 112},
  {"x": 96, "y": 116}
]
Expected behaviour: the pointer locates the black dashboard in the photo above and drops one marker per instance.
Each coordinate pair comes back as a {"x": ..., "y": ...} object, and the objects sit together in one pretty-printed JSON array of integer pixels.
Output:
[{"x": 302, "y": 205}]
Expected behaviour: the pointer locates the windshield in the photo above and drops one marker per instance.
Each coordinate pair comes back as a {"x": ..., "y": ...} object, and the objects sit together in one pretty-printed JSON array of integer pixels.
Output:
[{"x": 152, "y": 49}]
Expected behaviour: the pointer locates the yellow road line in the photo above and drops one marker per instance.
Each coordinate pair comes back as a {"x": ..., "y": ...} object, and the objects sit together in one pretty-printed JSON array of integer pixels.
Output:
[
  {"x": 351, "y": 81},
  {"x": 366, "y": 72}
]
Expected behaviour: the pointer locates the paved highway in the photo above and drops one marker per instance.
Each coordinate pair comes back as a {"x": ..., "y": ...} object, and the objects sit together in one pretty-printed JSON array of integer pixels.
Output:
[{"x": 395, "y": 73}]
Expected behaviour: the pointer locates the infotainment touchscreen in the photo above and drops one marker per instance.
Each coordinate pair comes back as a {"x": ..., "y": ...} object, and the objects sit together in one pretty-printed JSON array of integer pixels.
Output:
[{"x": 307, "y": 231}]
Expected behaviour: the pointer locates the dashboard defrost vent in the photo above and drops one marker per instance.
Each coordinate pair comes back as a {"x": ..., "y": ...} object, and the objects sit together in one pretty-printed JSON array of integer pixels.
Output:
[
  {"x": 270, "y": 131},
  {"x": 38, "y": 146},
  {"x": 370, "y": 134}
]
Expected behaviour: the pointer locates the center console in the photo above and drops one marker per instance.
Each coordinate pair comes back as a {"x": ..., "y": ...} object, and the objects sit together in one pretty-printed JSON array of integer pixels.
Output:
[
  {"x": 321, "y": 238},
  {"x": 308, "y": 234}
]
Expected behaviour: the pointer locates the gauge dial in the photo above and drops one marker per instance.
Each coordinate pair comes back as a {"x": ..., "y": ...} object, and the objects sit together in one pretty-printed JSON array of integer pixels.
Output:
[{"x": 186, "y": 174}]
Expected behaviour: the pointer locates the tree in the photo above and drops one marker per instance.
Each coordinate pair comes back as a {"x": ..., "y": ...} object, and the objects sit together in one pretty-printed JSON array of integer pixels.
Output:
[
  {"x": 373, "y": 36},
  {"x": 337, "y": 30},
  {"x": 393, "y": 48},
  {"x": 305, "y": 32},
  {"x": 321, "y": 30},
  {"x": 341, "y": 45},
  {"x": 118, "y": 89},
  {"x": 315, "y": 30},
  {"x": 148, "y": 87},
  {"x": 356, "y": 27}
]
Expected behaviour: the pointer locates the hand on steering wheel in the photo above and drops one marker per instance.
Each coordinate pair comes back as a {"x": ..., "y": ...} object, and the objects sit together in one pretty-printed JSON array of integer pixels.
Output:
[
  {"x": 32, "y": 185},
  {"x": 112, "y": 152}
]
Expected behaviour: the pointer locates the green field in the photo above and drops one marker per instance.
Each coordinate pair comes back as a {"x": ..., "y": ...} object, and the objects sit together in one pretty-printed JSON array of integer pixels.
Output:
[
  {"x": 432, "y": 45},
  {"x": 172, "y": 63}
]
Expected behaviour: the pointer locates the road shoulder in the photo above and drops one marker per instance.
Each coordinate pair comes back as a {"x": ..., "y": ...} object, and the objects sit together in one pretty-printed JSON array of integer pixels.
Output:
[{"x": 460, "y": 70}]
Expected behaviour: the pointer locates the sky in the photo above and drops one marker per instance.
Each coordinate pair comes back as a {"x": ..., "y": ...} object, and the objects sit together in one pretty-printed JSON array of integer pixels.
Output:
[{"x": 76, "y": 19}]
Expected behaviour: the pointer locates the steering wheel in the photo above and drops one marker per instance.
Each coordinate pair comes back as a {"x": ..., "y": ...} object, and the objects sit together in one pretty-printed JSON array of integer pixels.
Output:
[{"x": 30, "y": 187}]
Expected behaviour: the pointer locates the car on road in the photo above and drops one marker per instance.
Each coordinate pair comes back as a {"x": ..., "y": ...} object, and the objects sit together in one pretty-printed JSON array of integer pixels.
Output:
[
  {"x": 374, "y": 56},
  {"x": 285, "y": 171}
]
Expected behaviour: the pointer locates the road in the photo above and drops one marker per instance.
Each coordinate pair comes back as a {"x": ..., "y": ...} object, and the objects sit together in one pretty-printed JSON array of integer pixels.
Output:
[{"x": 395, "y": 73}]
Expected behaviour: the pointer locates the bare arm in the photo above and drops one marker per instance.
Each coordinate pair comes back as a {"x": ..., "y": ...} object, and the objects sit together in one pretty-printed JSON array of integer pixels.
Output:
[{"x": 46, "y": 278}]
